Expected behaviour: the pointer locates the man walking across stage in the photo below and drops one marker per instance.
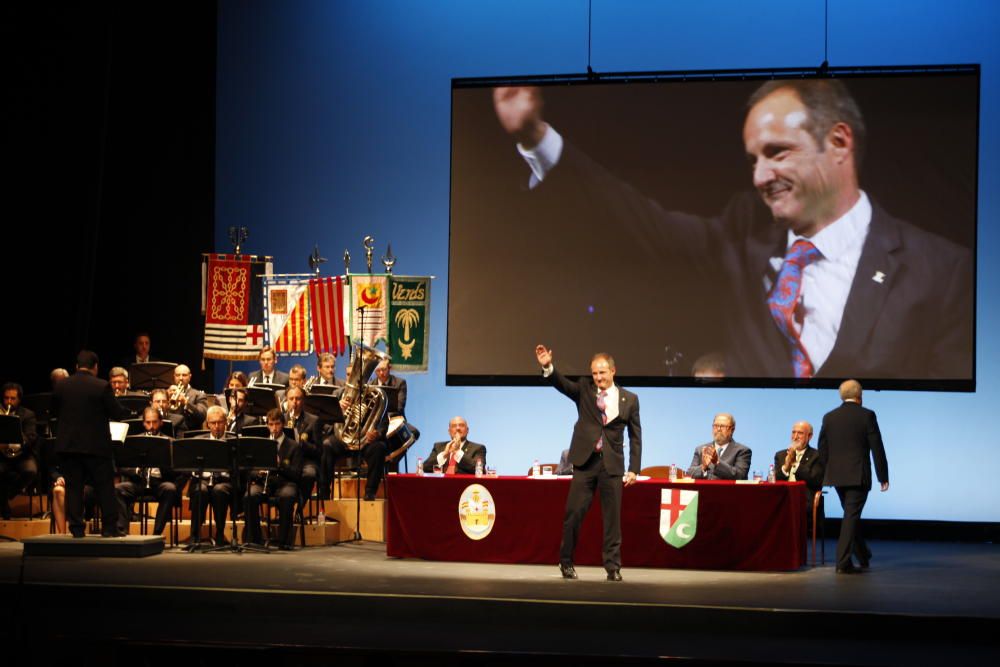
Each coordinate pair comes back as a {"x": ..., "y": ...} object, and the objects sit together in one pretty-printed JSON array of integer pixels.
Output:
[
  {"x": 597, "y": 452},
  {"x": 848, "y": 440}
]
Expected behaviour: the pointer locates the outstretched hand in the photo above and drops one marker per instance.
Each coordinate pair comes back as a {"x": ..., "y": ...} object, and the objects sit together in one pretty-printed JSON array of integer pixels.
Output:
[
  {"x": 544, "y": 355},
  {"x": 519, "y": 110}
]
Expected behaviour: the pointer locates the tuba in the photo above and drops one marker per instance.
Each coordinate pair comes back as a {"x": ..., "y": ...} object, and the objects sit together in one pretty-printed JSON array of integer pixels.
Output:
[{"x": 367, "y": 409}]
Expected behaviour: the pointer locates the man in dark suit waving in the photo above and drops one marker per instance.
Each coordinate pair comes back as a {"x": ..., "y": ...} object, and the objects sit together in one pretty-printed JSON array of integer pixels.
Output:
[
  {"x": 848, "y": 440},
  {"x": 84, "y": 404},
  {"x": 597, "y": 452}
]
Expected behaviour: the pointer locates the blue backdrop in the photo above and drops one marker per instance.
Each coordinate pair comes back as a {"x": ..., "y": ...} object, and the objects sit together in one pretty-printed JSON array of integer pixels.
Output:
[{"x": 333, "y": 122}]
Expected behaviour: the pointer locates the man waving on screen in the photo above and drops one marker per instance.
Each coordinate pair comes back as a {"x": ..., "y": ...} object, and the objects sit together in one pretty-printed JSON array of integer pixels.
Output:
[{"x": 826, "y": 285}]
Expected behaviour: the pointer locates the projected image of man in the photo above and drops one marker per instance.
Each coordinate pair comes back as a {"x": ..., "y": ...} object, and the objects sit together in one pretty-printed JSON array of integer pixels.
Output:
[{"x": 826, "y": 284}]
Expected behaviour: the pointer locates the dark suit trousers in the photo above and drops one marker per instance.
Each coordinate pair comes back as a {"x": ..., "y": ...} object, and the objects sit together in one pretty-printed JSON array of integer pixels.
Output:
[
  {"x": 220, "y": 496},
  {"x": 287, "y": 494},
  {"x": 851, "y": 540},
  {"x": 97, "y": 469},
  {"x": 129, "y": 491},
  {"x": 373, "y": 453},
  {"x": 17, "y": 474},
  {"x": 586, "y": 478}
]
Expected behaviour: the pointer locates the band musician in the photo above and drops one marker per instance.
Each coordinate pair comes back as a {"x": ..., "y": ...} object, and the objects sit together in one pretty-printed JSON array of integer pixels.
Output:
[{"x": 281, "y": 484}]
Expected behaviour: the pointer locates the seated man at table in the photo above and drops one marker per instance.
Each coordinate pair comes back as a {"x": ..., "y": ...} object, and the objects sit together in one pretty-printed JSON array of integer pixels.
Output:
[
  {"x": 161, "y": 484},
  {"x": 723, "y": 458},
  {"x": 458, "y": 455},
  {"x": 800, "y": 463},
  {"x": 281, "y": 484}
]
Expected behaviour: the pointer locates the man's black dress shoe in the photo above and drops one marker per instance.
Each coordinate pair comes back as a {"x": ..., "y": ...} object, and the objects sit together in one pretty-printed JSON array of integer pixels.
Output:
[
  {"x": 117, "y": 533},
  {"x": 568, "y": 571},
  {"x": 849, "y": 569},
  {"x": 285, "y": 547},
  {"x": 614, "y": 575},
  {"x": 369, "y": 496}
]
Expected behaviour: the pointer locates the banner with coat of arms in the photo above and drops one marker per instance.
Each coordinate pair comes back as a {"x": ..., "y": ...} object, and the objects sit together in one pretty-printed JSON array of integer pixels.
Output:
[
  {"x": 234, "y": 318},
  {"x": 369, "y": 308},
  {"x": 304, "y": 315}
]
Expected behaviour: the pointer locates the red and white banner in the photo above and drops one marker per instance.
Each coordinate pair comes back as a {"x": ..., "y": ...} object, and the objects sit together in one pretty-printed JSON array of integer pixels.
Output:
[
  {"x": 326, "y": 295},
  {"x": 233, "y": 312}
]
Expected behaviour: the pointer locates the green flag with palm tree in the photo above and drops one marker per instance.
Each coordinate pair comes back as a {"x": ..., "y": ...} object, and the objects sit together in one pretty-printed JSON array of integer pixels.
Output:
[{"x": 409, "y": 324}]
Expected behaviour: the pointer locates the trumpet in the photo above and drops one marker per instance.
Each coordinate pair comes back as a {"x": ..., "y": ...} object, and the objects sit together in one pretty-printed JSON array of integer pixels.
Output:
[{"x": 178, "y": 396}]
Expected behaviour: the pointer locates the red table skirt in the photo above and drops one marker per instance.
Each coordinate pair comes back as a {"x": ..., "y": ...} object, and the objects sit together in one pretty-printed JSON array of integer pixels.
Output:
[{"x": 740, "y": 526}]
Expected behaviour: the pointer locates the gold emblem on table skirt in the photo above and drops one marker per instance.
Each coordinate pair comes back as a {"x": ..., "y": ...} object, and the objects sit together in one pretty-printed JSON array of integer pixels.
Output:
[{"x": 476, "y": 512}]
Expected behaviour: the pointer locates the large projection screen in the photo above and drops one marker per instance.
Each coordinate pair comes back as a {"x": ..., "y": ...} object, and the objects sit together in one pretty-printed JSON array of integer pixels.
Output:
[{"x": 650, "y": 237}]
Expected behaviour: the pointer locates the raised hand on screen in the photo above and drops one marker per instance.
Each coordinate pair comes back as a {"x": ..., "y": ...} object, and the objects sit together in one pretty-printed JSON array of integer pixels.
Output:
[
  {"x": 544, "y": 355},
  {"x": 519, "y": 110}
]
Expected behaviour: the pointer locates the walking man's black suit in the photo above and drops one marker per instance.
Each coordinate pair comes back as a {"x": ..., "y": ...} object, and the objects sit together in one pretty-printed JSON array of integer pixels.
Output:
[
  {"x": 598, "y": 469},
  {"x": 848, "y": 441}
]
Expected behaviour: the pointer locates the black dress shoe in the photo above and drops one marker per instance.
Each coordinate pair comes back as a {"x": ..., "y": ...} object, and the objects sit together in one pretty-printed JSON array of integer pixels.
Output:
[
  {"x": 286, "y": 547},
  {"x": 369, "y": 496},
  {"x": 117, "y": 533},
  {"x": 614, "y": 575},
  {"x": 221, "y": 542},
  {"x": 568, "y": 571},
  {"x": 849, "y": 569}
]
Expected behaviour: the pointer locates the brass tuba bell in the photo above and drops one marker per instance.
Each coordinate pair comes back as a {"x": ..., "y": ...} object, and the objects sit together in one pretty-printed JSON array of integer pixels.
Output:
[{"x": 366, "y": 409}]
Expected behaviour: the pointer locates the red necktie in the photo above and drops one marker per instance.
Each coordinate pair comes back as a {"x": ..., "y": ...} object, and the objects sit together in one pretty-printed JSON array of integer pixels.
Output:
[
  {"x": 784, "y": 298},
  {"x": 450, "y": 470},
  {"x": 602, "y": 406}
]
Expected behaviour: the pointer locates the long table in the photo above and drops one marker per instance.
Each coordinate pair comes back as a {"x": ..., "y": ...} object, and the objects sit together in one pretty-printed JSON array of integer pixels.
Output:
[{"x": 739, "y": 526}]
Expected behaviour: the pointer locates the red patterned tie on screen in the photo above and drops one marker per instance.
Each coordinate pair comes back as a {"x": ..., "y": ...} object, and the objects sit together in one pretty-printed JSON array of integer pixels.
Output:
[
  {"x": 784, "y": 298},
  {"x": 602, "y": 406}
]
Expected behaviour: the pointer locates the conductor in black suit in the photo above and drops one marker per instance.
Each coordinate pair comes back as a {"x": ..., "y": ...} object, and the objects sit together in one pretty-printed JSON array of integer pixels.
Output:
[
  {"x": 597, "y": 452},
  {"x": 824, "y": 283},
  {"x": 848, "y": 441},
  {"x": 84, "y": 404}
]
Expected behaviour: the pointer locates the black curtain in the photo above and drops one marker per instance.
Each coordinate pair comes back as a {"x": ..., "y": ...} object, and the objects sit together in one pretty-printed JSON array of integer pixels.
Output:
[{"x": 110, "y": 130}]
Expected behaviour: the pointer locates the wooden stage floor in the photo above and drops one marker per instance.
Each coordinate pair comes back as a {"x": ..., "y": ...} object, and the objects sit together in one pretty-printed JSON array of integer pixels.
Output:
[{"x": 921, "y": 603}]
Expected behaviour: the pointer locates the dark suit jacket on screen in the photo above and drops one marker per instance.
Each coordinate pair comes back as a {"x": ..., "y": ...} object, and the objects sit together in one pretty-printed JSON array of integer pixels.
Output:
[{"x": 908, "y": 313}]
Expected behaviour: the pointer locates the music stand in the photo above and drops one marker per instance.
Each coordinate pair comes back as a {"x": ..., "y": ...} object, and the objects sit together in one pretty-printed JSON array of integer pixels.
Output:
[
  {"x": 138, "y": 427},
  {"x": 199, "y": 455},
  {"x": 261, "y": 399},
  {"x": 261, "y": 431},
  {"x": 134, "y": 404},
  {"x": 10, "y": 431},
  {"x": 323, "y": 390},
  {"x": 252, "y": 454},
  {"x": 142, "y": 451},
  {"x": 325, "y": 407},
  {"x": 135, "y": 427},
  {"x": 39, "y": 404},
  {"x": 151, "y": 375},
  {"x": 10, "y": 434}
]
